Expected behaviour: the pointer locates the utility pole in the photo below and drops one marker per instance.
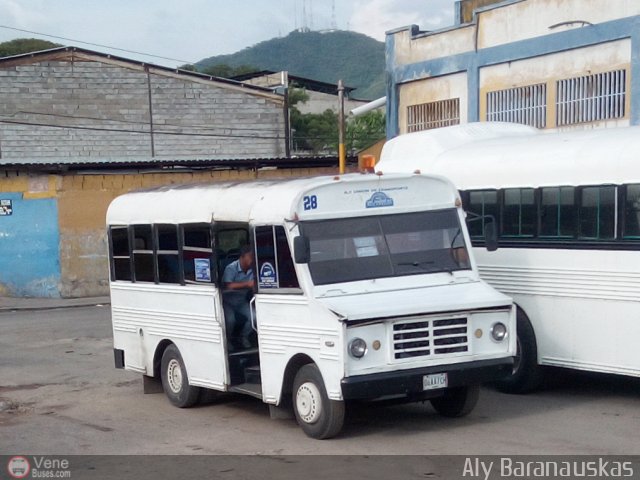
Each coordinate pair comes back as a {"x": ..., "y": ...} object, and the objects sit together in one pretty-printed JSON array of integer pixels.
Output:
[{"x": 342, "y": 157}]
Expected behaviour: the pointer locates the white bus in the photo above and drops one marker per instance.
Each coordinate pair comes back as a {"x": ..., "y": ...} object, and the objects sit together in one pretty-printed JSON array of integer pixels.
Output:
[
  {"x": 568, "y": 212},
  {"x": 365, "y": 289}
]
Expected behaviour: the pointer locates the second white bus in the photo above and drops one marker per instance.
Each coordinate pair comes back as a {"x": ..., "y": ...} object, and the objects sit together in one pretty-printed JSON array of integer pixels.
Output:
[{"x": 567, "y": 206}]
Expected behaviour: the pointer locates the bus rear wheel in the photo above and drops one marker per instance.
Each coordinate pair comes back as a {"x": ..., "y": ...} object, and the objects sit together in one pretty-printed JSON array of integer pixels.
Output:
[
  {"x": 527, "y": 374},
  {"x": 175, "y": 380},
  {"x": 318, "y": 416},
  {"x": 457, "y": 402}
]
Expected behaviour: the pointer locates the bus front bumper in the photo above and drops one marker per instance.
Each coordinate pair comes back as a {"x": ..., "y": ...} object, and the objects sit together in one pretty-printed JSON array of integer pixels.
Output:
[{"x": 410, "y": 383}]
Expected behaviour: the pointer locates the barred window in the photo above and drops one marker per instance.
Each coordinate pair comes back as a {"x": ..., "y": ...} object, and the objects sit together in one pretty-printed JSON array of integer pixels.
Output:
[
  {"x": 426, "y": 116},
  {"x": 591, "y": 98},
  {"x": 526, "y": 105}
]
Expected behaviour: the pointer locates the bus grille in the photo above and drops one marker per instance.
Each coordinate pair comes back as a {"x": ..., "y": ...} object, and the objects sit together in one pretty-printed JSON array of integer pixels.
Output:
[{"x": 423, "y": 338}]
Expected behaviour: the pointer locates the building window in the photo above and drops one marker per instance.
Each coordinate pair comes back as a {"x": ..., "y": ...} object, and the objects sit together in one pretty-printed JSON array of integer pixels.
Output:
[
  {"x": 591, "y": 98},
  {"x": 519, "y": 213},
  {"x": 430, "y": 115},
  {"x": 558, "y": 212},
  {"x": 525, "y": 105},
  {"x": 597, "y": 212}
]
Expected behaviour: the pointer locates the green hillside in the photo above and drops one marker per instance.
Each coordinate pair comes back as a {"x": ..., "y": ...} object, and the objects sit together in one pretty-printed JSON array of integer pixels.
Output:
[{"x": 353, "y": 57}]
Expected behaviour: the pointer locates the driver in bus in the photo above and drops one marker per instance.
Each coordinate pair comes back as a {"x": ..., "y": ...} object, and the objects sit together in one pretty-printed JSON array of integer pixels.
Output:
[{"x": 238, "y": 283}]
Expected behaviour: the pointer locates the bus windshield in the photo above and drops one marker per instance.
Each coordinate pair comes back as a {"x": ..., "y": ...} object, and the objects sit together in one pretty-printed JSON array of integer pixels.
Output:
[{"x": 350, "y": 249}]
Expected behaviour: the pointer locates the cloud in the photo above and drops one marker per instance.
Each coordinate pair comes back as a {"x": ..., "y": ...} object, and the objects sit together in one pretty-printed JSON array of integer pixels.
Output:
[{"x": 375, "y": 17}]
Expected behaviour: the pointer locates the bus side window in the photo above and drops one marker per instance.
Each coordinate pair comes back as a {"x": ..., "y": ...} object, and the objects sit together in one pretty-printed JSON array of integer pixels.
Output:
[
  {"x": 143, "y": 264},
  {"x": 519, "y": 213},
  {"x": 120, "y": 253},
  {"x": 597, "y": 212},
  {"x": 274, "y": 264},
  {"x": 481, "y": 202},
  {"x": 168, "y": 254},
  {"x": 632, "y": 212},
  {"x": 197, "y": 253}
]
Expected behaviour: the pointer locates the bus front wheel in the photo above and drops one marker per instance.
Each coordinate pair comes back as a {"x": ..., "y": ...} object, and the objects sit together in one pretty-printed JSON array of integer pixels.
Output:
[
  {"x": 318, "y": 416},
  {"x": 527, "y": 374},
  {"x": 175, "y": 380},
  {"x": 457, "y": 402}
]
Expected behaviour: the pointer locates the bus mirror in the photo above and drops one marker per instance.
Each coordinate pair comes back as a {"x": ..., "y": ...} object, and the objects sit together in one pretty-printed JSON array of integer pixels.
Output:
[
  {"x": 490, "y": 236},
  {"x": 301, "y": 251}
]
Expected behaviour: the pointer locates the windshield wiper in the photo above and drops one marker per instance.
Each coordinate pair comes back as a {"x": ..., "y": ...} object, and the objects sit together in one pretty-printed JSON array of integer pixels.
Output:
[
  {"x": 416, "y": 263},
  {"x": 420, "y": 264}
]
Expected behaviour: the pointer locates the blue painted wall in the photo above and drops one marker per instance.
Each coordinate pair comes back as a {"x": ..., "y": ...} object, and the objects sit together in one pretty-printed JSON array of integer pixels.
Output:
[{"x": 29, "y": 250}]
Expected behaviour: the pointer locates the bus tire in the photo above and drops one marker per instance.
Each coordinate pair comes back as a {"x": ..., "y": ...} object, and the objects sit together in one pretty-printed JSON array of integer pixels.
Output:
[
  {"x": 318, "y": 416},
  {"x": 457, "y": 402},
  {"x": 527, "y": 374},
  {"x": 175, "y": 380}
]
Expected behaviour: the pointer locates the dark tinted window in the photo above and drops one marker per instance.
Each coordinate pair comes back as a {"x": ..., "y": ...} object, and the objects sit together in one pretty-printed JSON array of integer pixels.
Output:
[
  {"x": 519, "y": 214},
  {"x": 168, "y": 256},
  {"x": 167, "y": 237},
  {"x": 597, "y": 212},
  {"x": 273, "y": 262},
  {"x": 632, "y": 211},
  {"x": 558, "y": 212},
  {"x": 350, "y": 249},
  {"x": 121, "y": 268},
  {"x": 481, "y": 203},
  {"x": 143, "y": 265},
  {"x": 196, "y": 253}
]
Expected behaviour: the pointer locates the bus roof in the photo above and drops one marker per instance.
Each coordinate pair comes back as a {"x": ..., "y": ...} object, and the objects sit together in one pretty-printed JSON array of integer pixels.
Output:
[
  {"x": 275, "y": 201},
  {"x": 501, "y": 155}
]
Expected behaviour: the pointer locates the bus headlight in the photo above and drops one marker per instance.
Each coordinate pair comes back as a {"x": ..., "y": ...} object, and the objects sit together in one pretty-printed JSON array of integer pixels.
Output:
[
  {"x": 357, "y": 348},
  {"x": 498, "y": 331}
]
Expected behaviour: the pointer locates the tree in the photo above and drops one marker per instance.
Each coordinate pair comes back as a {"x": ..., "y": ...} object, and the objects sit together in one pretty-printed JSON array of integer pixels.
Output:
[
  {"x": 365, "y": 130},
  {"x": 25, "y": 45},
  {"x": 223, "y": 70}
]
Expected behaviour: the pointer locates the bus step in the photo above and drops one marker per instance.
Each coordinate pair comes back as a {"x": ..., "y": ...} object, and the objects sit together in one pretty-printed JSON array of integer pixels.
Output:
[
  {"x": 252, "y": 389},
  {"x": 252, "y": 374}
]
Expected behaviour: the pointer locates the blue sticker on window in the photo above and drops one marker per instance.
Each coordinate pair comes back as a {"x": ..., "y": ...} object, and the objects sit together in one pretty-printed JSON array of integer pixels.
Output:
[
  {"x": 203, "y": 269},
  {"x": 379, "y": 199},
  {"x": 268, "y": 277}
]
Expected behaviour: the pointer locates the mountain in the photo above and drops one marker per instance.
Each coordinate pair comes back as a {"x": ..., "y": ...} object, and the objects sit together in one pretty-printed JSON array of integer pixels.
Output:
[{"x": 325, "y": 56}]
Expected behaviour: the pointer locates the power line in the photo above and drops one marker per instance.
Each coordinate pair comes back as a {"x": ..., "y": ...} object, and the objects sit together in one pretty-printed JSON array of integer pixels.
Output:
[
  {"x": 145, "y": 132},
  {"x": 97, "y": 45},
  {"x": 134, "y": 122}
]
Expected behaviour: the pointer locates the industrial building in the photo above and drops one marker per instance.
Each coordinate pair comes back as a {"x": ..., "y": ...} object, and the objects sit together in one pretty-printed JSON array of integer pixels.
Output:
[
  {"x": 78, "y": 128},
  {"x": 551, "y": 64}
]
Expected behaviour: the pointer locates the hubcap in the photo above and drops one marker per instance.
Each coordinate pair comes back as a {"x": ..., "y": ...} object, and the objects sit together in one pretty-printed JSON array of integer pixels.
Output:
[
  {"x": 309, "y": 402},
  {"x": 174, "y": 376}
]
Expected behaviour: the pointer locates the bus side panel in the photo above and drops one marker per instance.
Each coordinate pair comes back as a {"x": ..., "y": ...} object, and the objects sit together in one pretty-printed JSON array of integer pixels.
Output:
[
  {"x": 144, "y": 315},
  {"x": 289, "y": 325},
  {"x": 584, "y": 305}
]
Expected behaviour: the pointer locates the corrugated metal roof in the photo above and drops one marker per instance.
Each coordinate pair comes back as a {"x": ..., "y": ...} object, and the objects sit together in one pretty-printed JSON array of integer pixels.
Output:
[
  {"x": 35, "y": 56},
  {"x": 77, "y": 163}
]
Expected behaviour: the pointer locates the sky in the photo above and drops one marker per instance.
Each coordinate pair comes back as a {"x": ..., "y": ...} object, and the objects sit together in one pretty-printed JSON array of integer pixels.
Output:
[{"x": 186, "y": 31}]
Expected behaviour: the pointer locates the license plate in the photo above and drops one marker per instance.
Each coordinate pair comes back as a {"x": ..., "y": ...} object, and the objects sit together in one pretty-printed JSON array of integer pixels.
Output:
[{"x": 435, "y": 381}]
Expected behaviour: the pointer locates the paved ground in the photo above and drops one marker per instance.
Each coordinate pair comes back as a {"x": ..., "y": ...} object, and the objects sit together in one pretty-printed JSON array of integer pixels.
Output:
[{"x": 59, "y": 394}]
